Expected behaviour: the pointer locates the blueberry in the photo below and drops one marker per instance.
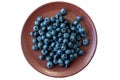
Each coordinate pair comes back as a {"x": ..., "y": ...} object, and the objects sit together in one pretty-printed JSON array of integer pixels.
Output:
[
  {"x": 36, "y": 34},
  {"x": 79, "y": 26},
  {"x": 61, "y": 19},
  {"x": 85, "y": 42},
  {"x": 65, "y": 35},
  {"x": 68, "y": 51},
  {"x": 65, "y": 41},
  {"x": 41, "y": 57},
  {"x": 45, "y": 47},
  {"x": 67, "y": 65},
  {"x": 55, "y": 56},
  {"x": 60, "y": 40},
  {"x": 78, "y": 18},
  {"x": 63, "y": 11},
  {"x": 40, "y": 18},
  {"x": 78, "y": 44},
  {"x": 81, "y": 30},
  {"x": 43, "y": 28},
  {"x": 52, "y": 44},
  {"x": 42, "y": 24},
  {"x": 63, "y": 47},
  {"x": 46, "y": 41},
  {"x": 62, "y": 25},
  {"x": 49, "y": 28},
  {"x": 60, "y": 61},
  {"x": 34, "y": 40},
  {"x": 58, "y": 29},
  {"x": 58, "y": 46},
  {"x": 70, "y": 44},
  {"x": 31, "y": 34},
  {"x": 52, "y": 19},
  {"x": 55, "y": 61},
  {"x": 63, "y": 30},
  {"x": 73, "y": 28},
  {"x": 64, "y": 56},
  {"x": 43, "y": 37},
  {"x": 54, "y": 38},
  {"x": 72, "y": 38},
  {"x": 67, "y": 61},
  {"x": 71, "y": 57},
  {"x": 41, "y": 32},
  {"x": 78, "y": 38},
  {"x": 44, "y": 52},
  {"x": 39, "y": 38},
  {"x": 45, "y": 23},
  {"x": 49, "y": 48},
  {"x": 48, "y": 58},
  {"x": 77, "y": 49},
  {"x": 75, "y": 55},
  {"x": 51, "y": 54},
  {"x": 35, "y": 28},
  {"x": 59, "y": 52},
  {"x": 53, "y": 32},
  {"x": 81, "y": 52},
  {"x": 50, "y": 64},
  {"x": 47, "y": 19},
  {"x": 36, "y": 23},
  {"x": 40, "y": 45},
  {"x": 48, "y": 35},
  {"x": 34, "y": 47},
  {"x": 72, "y": 51},
  {"x": 75, "y": 22},
  {"x": 59, "y": 34},
  {"x": 58, "y": 15},
  {"x": 83, "y": 34}
]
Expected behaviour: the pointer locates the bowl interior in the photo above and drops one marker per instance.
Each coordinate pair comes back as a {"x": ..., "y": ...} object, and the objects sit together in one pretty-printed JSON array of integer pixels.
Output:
[{"x": 48, "y": 10}]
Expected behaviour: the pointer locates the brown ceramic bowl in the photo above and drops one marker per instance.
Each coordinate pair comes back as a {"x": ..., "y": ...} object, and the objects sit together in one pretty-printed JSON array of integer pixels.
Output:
[{"x": 48, "y": 10}]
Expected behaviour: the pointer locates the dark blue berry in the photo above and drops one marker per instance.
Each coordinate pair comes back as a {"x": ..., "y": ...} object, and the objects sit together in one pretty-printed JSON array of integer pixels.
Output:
[
  {"x": 60, "y": 40},
  {"x": 55, "y": 61},
  {"x": 68, "y": 51},
  {"x": 31, "y": 34},
  {"x": 52, "y": 19},
  {"x": 75, "y": 22},
  {"x": 63, "y": 30},
  {"x": 64, "y": 56},
  {"x": 70, "y": 44},
  {"x": 62, "y": 25},
  {"x": 50, "y": 64},
  {"x": 65, "y": 35},
  {"x": 48, "y": 58},
  {"x": 58, "y": 15},
  {"x": 75, "y": 55},
  {"x": 78, "y": 18},
  {"x": 85, "y": 42},
  {"x": 65, "y": 41},
  {"x": 35, "y": 28},
  {"x": 79, "y": 26},
  {"x": 59, "y": 52},
  {"x": 51, "y": 54},
  {"x": 34, "y": 40},
  {"x": 34, "y": 47},
  {"x": 41, "y": 32},
  {"x": 45, "y": 47},
  {"x": 39, "y": 38},
  {"x": 46, "y": 41},
  {"x": 81, "y": 52},
  {"x": 63, "y": 11},
  {"x": 40, "y": 18},
  {"x": 83, "y": 34},
  {"x": 44, "y": 52},
  {"x": 40, "y": 45},
  {"x": 48, "y": 35},
  {"x": 41, "y": 57},
  {"x": 36, "y": 23},
  {"x": 58, "y": 29}
]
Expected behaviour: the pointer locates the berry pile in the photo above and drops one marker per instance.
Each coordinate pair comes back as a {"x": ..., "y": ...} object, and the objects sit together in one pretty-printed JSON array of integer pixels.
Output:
[{"x": 58, "y": 39}]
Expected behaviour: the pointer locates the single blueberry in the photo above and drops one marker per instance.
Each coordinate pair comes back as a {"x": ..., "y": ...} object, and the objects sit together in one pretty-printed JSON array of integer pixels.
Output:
[
  {"x": 75, "y": 22},
  {"x": 78, "y": 38},
  {"x": 49, "y": 28},
  {"x": 58, "y": 29},
  {"x": 36, "y": 34},
  {"x": 36, "y": 23},
  {"x": 72, "y": 38},
  {"x": 41, "y": 57},
  {"x": 48, "y": 35},
  {"x": 35, "y": 28},
  {"x": 44, "y": 52},
  {"x": 85, "y": 41},
  {"x": 63, "y": 11},
  {"x": 66, "y": 35},
  {"x": 47, "y": 19},
  {"x": 62, "y": 25},
  {"x": 75, "y": 55},
  {"x": 43, "y": 37},
  {"x": 64, "y": 56},
  {"x": 52, "y": 19},
  {"x": 54, "y": 38},
  {"x": 72, "y": 51},
  {"x": 63, "y": 47},
  {"x": 40, "y": 18},
  {"x": 55, "y": 56},
  {"x": 58, "y": 45},
  {"x": 41, "y": 24},
  {"x": 65, "y": 41},
  {"x": 55, "y": 61},
  {"x": 61, "y": 19},
  {"x": 77, "y": 49},
  {"x": 51, "y": 54},
  {"x": 48, "y": 58},
  {"x": 81, "y": 30},
  {"x": 52, "y": 44},
  {"x": 73, "y": 28},
  {"x": 68, "y": 51},
  {"x": 40, "y": 45},
  {"x": 78, "y": 18},
  {"x": 31, "y": 34},
  {"x": 70, "y": 44},
  {"x": 46, "y": 41},
  {"x": 67, "y": 61},
  {"x": 53, "y": 32},
  {"x": 59, "y": 34},
  {"x": 71, "y": 57},
  {"x": 34, "y": 40},
  {"x": 35, "y": 47},
  {"x": 59, "y": 52},
  {"x": 79, "y": 26},
  {"x": 81, "y": 52},
  {"x": 60, "y": 40},
  {"x": 58, "y": 15},
  {"x": 45, "y": 47},
  {"x": 78, "y": 44},
  {"x": 50, "y": 64},
  {"x": 43, "y": 28},
  {"x": 63, "y": 30},
  {"x": 83, "y": 34},
  {"x": 60, "y": 61},
  {"x": 39, "y": 38},
  {"x": 41, "y": 32}
]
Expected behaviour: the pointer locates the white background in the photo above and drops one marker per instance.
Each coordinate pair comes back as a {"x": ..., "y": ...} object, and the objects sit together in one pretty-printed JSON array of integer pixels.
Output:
[{"x": 106, "y": 62}]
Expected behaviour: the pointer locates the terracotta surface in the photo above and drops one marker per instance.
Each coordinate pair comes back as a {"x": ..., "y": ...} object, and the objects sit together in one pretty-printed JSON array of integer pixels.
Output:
[{"x": 48, "y": 10}]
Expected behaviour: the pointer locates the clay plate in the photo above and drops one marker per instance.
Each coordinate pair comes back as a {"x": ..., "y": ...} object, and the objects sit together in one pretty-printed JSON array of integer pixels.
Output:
[{"x": 48, "y": 10}]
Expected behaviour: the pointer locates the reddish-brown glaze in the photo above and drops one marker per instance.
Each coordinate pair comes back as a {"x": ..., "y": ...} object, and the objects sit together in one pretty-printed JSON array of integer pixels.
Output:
[{"x": 48, "y": 10}]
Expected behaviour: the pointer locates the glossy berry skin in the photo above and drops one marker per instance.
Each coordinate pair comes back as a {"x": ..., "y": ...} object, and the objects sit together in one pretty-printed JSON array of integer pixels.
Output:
[
  {"x": 35, "y": 47},
  {"x": 34, "y": 40},
  {"x": 81, "y": 52},
  {"x": 55, "y": 61},
  {"x": 36, "y": 23},
  {"x": 67, "y": 61},
  {"x": 40, "y": 18},
  {"x": 64, "y": 56},
  {"x": 52, "y": 44},
  {"x": 52, "y": 19},
  {"x": 35, "y": 34},
  {"x": 75, "y": 23},
  {"x": 65, "y": 41},
  {"x": 35, "y": 28},
  {"x": 63, "y": 11},
  {"x": 85, "y": 42},
  {"x": 63, "y": 47},
  {"x": 66, "y": 35},
  {"x": 75, "y": 55},
  {"x": 60, "y": 40},
  {"x": 53, "y": 32},
  {"x": 39, "y": 38},
  {"x": 31, "y": 34},
  {"x": 61, "y": 19},
  {"x": 79, "y": 26},
  {"x": 50, "y": 64},
  {"x": 51, "y": 54},
  {"x": 44, "y": 52},
  {"x": 62, "y": 25},
  {"x": 71, "y": 57},
  {"x": 46, "y": 41},
  {"x": 41, "y": 32},
  {"x": 41, "y": 57},
  {"x": 48, "y": 58},
  {"x": 63, "y": 30},
  {"x": 58, "y": 15},
  {"x": 83, "y": 34},
  {"x": 40, "y": 45},
  {"x": 68, "y": 51},
  {"x": 48, "y": 35},
  {"x": 70, "y": 44},
  {"x": 72, "y": 38},
  {"x": 78, "y": 18},
  {"x": 45, "y": 47},
  {"x": 59, "y": 52}
]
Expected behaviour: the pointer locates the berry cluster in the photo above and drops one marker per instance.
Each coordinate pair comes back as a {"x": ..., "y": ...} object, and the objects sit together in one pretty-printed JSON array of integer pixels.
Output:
[{"x": 58, "y": 39}]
